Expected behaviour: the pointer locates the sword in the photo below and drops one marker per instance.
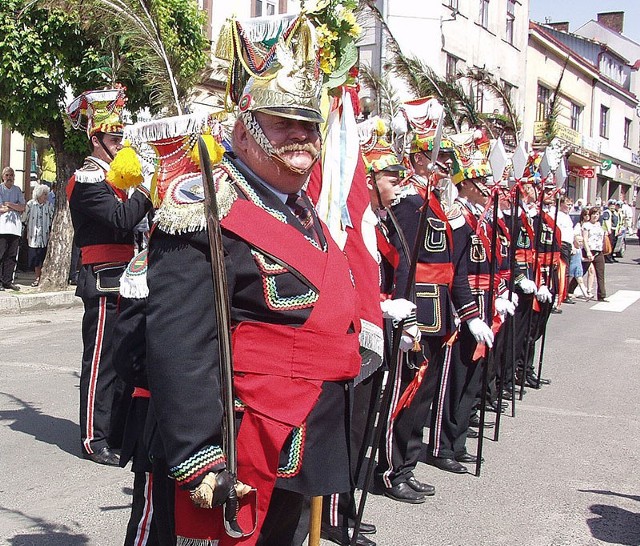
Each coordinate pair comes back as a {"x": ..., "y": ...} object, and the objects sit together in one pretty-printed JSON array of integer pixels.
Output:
[{"x": 221, "y": 297}]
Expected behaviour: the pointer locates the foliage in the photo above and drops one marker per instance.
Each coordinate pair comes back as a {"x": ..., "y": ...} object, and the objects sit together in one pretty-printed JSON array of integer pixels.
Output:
[
  {"x": 51, "y": 50},
  {"x": 40, "y": 54},
  {"x": 158, "y": 45},
  {"x": 337, "y": 31},
  {"x": 551, "y": 123},
  {"x": 387, "y": 101}
]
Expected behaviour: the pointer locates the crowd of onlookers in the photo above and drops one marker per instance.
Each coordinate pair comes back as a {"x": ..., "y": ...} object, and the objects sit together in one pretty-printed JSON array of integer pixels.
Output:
[{"x": 592, "y": 235}]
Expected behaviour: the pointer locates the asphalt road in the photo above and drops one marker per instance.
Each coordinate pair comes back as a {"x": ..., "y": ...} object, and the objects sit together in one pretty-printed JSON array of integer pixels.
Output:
[{"x": 565, "y": 471}]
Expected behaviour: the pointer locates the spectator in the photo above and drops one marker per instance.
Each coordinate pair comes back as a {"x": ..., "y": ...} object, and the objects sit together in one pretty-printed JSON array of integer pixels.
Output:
[
  {"x": 11, "y": 207},
  {"x": 565, "y": 225},
  {"x": 593, "y": 235},
  {"x": 627, "y": 211},
  {"x": 38, "y": 217}
]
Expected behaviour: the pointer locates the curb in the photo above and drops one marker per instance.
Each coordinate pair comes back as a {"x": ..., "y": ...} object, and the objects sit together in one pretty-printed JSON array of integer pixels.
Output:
[{"x": 35, "y": 302}]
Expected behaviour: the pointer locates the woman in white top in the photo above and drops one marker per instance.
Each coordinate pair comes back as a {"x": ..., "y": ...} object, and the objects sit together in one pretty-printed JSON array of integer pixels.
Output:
[
  {"x": 593, "y": 236},
  {"x": 38, "y": 216}
]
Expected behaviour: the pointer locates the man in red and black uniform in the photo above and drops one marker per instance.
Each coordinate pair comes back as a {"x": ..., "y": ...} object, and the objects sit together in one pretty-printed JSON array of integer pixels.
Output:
[
  {"x": 471, "y": 258},
  {"x": 295, "y": 320},
  {"x": 103, "y": 220},
  {"x": 548, "y": 282},
  {"x": 420, "y": 374}
]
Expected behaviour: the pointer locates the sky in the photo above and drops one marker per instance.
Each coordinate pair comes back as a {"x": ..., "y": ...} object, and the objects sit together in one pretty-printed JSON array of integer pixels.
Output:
[{"x": 578, "y": 12}]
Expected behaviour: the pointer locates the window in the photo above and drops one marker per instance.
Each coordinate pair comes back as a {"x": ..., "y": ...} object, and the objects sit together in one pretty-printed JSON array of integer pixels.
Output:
[
  {"x": 262, "y": 8},
  {"x": 452, "y": 68},
  {"x": 576, "y": 116},
  {"x": 483, "y": 19},
  {"x": 479, "y": 98},
  {"x": 627, "y": 133},
  {"x": 511, "y": 19},
  {"x": 508, "y": 91},
  {"x": 543, "y": 104},
  {"x": 604, "y": 122}
]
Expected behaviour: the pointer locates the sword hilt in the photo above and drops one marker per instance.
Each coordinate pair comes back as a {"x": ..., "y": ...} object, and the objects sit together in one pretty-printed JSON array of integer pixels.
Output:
[{"x": 230, "y": 510}]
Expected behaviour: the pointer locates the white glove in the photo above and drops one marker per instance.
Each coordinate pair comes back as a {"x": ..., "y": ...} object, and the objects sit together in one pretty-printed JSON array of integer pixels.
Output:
[
  {"x": 504, "y": 306},
  {"x": 543, "y": 295},
  {"x": 527, "y": 286},
  {"x": 514, "y": 299},
  {"x": 409, "y": 337},
  {"x": 397, "y": 310},
  {"x": 481, "y": 332}
]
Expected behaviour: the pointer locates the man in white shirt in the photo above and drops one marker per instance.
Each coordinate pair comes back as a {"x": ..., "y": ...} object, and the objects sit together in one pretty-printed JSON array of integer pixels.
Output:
[
  {"x": 565, "y": 225},
  {"x": 11, "y": 207}
]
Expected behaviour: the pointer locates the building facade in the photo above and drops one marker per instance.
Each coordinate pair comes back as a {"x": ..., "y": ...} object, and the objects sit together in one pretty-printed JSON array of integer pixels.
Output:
[{"x": 453, "y": 37}]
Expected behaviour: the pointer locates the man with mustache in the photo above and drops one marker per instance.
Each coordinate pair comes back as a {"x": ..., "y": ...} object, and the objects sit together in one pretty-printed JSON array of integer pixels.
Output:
[{"x": 295, "y": 325}]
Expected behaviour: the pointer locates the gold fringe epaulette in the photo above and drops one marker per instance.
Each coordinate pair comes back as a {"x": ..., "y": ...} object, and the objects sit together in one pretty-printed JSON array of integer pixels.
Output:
[
  {"x": 183, "y": 210},
  {"x": 89, "y": 173}
]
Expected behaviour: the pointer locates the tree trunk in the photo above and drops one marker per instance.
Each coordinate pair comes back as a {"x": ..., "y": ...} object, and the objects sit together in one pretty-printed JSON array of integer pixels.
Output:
[{"x": 55, "y": 270}]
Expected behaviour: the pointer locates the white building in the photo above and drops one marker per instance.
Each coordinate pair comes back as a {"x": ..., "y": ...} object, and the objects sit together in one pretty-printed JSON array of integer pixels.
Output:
[
  {"x": 455, "y": 36},
  {"x": 614, "y": 104}
]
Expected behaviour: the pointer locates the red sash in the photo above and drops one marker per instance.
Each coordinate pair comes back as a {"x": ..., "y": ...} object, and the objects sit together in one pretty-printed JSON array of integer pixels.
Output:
[
  {"x": 434, "y": 273},
  {"x": 280, "y": 369}
]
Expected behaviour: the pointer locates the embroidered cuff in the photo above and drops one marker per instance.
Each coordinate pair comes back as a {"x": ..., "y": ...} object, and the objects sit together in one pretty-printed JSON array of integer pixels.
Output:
[
  {"x": 189, "y": 472},
  {"x": 468, "y": 311}
]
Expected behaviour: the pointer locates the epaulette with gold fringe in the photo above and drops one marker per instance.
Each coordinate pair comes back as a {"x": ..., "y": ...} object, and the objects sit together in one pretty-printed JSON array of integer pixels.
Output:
[
  {"x": 89, "y": 173},
  {"x": 182, "y": 209}
]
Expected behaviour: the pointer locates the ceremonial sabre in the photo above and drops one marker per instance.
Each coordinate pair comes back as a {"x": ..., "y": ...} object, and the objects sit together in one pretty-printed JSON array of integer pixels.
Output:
[{"x": 221, "y": 297}]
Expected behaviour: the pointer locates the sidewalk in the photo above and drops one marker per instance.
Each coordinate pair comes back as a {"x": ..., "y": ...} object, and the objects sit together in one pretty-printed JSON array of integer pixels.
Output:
[{"x": 29, "y": 298}]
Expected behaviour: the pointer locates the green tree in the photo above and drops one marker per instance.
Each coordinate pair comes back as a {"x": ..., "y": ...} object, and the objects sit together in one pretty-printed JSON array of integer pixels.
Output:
[{"x": 50, "y": 51}]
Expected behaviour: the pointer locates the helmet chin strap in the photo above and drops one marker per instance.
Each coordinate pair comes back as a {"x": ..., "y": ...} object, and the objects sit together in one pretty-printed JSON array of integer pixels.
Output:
[
  {"x": 100, "y": 136},
  {"x": 254, "y": 129}
]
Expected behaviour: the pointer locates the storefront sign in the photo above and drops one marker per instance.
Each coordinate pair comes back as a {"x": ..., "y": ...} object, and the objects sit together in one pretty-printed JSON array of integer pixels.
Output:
[{"x": 583, "y": 172}]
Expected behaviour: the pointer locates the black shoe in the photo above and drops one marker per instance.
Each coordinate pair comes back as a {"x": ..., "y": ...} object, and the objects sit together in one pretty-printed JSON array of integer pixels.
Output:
[
  {"x": 103, "y": 456},
  {"x": 475, "y": 422},
  {"x": 472, "y": 433},
  {"x": 570, "y": 301},
  {"x": 467, "y": 458},
  {"x": 365, "y": 528},
  {"x": 599, "y": 299},
  {"x": 424, "y": 488},
  {"x": 73, "y": 282},
  {"x": 508, "y": 394},
  {"x": 341, "y": 535},
  {"x": 556, "y": 311},
  {"x": 532, "y": 381},
  {"x": 448, "y": 465},
  {"x": 493, "y": 406},
  {"x": 12, "y": 286},
  {"x": 403, "y": 492}
]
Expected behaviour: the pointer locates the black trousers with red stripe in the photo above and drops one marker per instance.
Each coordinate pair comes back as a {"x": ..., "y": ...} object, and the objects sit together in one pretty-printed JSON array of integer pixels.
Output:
[
  {"x": 100, "y": 388},
  {"x": 141, "y": 529},
  {"x": 339, "y": 509},
  {"x": 401, "y": 444},
  {"x": 449, "y": 436}
]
